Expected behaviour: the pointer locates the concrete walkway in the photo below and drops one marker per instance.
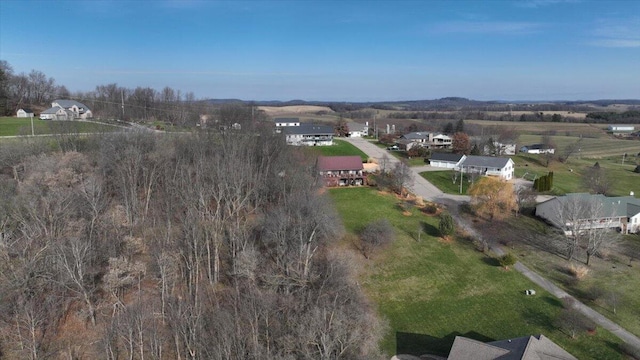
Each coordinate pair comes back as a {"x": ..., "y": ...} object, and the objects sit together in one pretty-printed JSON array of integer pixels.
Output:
[{"x": 429, "y": 192}]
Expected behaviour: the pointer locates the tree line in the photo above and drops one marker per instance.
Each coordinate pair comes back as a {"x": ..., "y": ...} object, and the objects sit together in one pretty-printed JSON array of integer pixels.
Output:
[
  {"x": 212, "y": 245},
  {"x": 106, "y": 101}
]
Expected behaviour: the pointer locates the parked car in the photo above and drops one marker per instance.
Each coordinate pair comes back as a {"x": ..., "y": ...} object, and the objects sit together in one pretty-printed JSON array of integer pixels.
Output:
[{"x": 393, "y": 147}]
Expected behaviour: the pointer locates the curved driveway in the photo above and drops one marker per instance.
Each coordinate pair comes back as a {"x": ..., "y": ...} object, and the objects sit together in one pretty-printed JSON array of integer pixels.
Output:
[{"x": 429, "y": 192}]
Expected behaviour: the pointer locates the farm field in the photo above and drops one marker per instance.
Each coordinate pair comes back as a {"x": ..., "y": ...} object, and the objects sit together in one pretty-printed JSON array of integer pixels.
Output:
[
  {"x": 12, "y": 126},
  {"x": 431, "y": 290},
  {"x": 589, "y": 147}
]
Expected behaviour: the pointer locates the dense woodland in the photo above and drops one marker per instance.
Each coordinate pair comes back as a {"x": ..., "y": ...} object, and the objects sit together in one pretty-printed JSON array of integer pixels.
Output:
[{"x": 192, "y": 246}]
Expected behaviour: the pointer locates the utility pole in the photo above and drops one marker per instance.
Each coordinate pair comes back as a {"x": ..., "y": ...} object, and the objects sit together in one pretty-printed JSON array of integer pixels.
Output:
[
  {"x": 122, "y": 95},
  {"x": 461, "y": 179},
  {"x": 33, "y": 133}
]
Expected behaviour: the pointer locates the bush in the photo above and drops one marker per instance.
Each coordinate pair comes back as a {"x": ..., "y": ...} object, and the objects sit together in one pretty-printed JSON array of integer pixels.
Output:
[
  {"x": 507, "y": 260},
  {"x": 578, "y": 271},
  {"x": 375, "y": 234},
  {"x": 446, "y": 226}
]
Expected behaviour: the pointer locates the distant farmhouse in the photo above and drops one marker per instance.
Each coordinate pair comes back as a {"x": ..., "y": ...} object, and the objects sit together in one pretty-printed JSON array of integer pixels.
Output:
[
  {"x": 24, "y": 113},
  {"x": 425, "y": 139},
  {"x": 522, "y": 348},
  {"x": 537, "y": 149},
  {"x": 308, "y": 135},
  {"x": 620, "y": 129},
  {"x": 592, "y": 212},
  {"x": 66, "y": 110}
]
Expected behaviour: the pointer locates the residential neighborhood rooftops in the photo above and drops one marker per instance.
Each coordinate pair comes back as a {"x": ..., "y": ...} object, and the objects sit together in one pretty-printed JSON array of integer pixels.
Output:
[
  {"x": 523, "y": 348},
  {"x": 70, "y": 103},
  {"x": 306, "y": 129},
  {"x": 441, "y": 156},
  {"x": 286, "y": 119},
  {"x": 52, "y": 110},
  {"x": 609, "y": 206},
  {"x": 416, "y": 135},
  {"x": 485, "y": 161},
  {"x": 335, "y": 163}
]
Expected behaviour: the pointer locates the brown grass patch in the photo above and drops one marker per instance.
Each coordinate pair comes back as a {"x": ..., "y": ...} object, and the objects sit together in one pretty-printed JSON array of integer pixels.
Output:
[{"x": 406, "y": 213}]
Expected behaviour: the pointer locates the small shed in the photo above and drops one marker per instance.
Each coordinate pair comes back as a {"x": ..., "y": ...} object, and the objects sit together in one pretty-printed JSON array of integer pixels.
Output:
[{"x": 24, "y": 113}]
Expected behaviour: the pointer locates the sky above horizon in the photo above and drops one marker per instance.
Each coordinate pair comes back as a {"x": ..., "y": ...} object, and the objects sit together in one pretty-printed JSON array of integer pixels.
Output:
[{"x": 333, "y": 50}]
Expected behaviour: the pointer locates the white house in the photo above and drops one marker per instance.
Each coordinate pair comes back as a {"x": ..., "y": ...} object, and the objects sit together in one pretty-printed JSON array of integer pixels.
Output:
[
  {"x": 308, "y": 135},
  {"x": 621, "y": 128},
  {"x": 586, "y": 211},
  {"x": 57, "y": 113},
  {"x": 487, "y": 165},
  {"x": 282, "y": 122},
  {"x": 24, "y": 113},
  {"x": 446, "y": 160},
  {"x": 537, "y": 149},
  {"x": 74, "y": 110},
  {"x": 426, "y": 139}
]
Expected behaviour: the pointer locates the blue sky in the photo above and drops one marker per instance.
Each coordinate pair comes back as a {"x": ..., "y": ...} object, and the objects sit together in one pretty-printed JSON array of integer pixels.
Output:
[{"x": 333, "y": 50}]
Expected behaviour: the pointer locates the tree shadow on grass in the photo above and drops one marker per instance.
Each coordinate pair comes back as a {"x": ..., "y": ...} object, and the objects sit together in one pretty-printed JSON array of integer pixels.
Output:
[
  {"x": 553, "y": 301},
  {"x": 419, "y": 344},
  {"x": 491, "y": 261},
  {"x": 538, "y": 318}
]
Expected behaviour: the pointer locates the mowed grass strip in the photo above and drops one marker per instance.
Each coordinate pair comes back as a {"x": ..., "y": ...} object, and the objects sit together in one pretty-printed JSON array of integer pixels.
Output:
[
  {"x": 431, "y": 290},
  {"x": 339, "y": 148},
  {"x": 443, "y": 180},
  {"x": 12, "y": 126}
]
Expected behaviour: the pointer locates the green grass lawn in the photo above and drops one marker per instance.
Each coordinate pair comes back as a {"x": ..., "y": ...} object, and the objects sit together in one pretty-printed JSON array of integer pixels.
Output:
[
  {"x": 430, "y": 291},
  {"x": 443, "y": 180},
  {"x": 402, "y": 155},
  {"x": 567, "y": 177},
  {"x": 618, "y": 273},
  {"x": 12, "y": 126},
  {"x": 340, "y": 147}
]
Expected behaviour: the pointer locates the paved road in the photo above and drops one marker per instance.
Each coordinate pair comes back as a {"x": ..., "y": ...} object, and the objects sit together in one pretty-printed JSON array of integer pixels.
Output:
[{"x": 428, "y": 191}]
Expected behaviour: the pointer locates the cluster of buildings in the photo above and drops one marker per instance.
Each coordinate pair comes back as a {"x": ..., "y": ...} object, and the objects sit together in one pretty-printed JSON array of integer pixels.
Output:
[{"x": 60, "y": 110}]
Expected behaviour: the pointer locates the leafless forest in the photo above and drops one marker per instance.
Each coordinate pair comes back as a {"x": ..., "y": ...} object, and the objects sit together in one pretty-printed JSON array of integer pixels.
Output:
[{"x": 193, "y": 246}]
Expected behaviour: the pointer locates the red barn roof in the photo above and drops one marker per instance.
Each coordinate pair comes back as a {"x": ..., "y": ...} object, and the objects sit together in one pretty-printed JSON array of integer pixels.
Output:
[{"x": 334, "y": 163}]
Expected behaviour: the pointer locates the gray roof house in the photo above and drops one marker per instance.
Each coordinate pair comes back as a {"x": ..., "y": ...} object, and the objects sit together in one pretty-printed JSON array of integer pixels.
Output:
[
  {"x": 57, "y": 113},
  {"x": 523, "y": 348},
  {"x": 587, "y": 211},
  {"x": 426, "y": 139},
  {"x": 24, "y": 113},
  {"x": 446, "y": 160},
  {"x": 308, "y": 135},
  {"x": 488, "y": 165},
  {"x": 341, "y": 170},
  {"x": 79, "y": 110}
]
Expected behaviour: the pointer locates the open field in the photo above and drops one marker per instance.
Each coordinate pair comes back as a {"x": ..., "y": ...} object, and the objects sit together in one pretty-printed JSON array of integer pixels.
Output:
[
  {"x": 431, "y": 290},
  {"x": 567, "y": 177},
  {"x": 294, "y": 110},
  {"x": 589, "y": 147},
  {"x": 539, "y": 128},
  {"x": 340, "y": 147},
  {"x": 12, "y": 126},
  {"x": 619, "y": 274}
]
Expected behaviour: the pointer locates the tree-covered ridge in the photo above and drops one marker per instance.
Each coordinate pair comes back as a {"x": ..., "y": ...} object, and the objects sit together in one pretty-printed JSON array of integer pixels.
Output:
[{"x": 199, "y": 246}]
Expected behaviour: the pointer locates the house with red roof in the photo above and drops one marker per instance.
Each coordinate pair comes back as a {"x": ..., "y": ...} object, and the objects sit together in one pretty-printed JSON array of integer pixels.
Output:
[{"x": 341, "y": 170}]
